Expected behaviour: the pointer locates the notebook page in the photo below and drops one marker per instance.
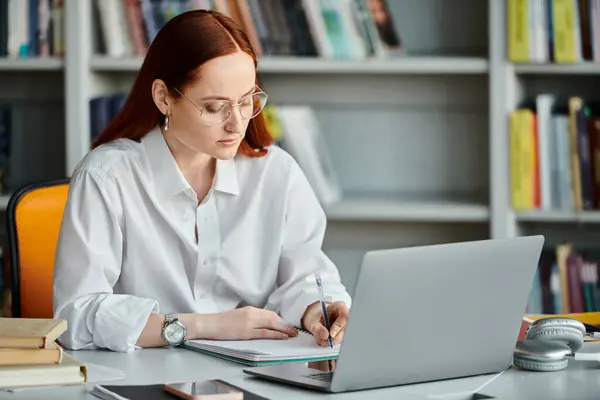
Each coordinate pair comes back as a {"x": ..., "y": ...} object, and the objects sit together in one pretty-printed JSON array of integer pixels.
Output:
[{"x": 303, "y": 345}]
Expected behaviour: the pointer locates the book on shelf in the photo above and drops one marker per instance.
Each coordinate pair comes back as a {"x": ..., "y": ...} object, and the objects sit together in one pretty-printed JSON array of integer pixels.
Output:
[
  {"x": 558, "y": 31},
  {"x": 103, "y": 108},
  {"x": 566, "y": 281},
  {"x": 32, "y": 28},
  {"x": 296, "y": 130},
  {"x": 301, "y": 348},
  {"x": 339, "y": 29},
  {"x": 555, "y": 154},
  {"x": 31, "y": 356}
]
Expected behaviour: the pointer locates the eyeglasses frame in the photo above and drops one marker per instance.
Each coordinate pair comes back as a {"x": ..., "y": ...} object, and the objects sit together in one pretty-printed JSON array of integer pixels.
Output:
[{"x": 201, "y": 109}]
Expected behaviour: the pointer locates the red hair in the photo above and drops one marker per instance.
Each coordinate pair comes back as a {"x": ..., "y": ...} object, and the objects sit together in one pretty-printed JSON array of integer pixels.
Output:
[{"x": 185, "y": 42}]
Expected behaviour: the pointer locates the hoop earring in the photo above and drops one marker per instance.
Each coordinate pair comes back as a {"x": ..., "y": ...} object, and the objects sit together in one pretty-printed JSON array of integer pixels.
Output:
[{"x": 166, "y": 122}]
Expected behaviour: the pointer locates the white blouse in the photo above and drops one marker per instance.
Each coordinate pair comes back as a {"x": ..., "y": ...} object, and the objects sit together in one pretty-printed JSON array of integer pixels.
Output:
[{"x": 127, "y": 246}]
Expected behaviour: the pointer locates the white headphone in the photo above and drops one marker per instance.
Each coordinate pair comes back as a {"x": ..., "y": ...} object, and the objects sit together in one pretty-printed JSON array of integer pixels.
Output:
[{"x": 549, "y": 343}]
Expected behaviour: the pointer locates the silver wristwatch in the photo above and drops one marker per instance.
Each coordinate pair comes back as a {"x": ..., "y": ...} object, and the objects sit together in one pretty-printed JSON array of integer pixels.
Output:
[{"x": 173, "y": 331}]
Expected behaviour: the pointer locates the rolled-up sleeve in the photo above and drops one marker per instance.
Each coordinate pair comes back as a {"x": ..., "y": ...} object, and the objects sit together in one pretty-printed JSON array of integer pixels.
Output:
[
  {"x": 302, "y": 254},
  {"x": 87, "y": 266}
]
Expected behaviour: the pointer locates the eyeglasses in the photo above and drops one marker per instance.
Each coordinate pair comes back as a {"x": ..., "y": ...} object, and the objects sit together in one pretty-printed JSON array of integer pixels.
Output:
[{"x": 218, "y": 111}]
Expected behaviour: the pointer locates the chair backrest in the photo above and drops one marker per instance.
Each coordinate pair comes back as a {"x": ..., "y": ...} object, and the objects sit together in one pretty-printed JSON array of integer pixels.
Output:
[{"x": 34, "y": 216}]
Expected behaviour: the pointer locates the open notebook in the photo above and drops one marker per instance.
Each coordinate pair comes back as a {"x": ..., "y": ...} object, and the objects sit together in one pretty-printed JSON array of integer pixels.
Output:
[{"x": 301, "y": 348}]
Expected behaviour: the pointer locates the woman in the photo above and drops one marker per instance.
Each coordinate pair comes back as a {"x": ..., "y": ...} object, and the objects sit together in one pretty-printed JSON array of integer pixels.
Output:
[{"x": 182, "y": 222}]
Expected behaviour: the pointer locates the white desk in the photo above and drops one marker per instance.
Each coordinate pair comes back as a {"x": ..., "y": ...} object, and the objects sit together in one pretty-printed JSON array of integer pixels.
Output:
[{"x": 581, "y": 380}]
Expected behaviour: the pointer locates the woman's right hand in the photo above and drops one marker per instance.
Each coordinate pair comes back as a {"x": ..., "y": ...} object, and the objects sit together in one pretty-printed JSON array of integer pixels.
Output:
[{"x": 245, "y": 323}]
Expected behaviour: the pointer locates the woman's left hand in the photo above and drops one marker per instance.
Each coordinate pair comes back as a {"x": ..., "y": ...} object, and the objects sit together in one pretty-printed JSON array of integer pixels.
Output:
[{"x": 313, "y": 322}]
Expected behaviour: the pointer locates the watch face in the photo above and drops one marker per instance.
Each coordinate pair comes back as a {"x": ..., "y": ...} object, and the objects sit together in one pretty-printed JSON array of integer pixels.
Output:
[{"x": 174, "y": 333}]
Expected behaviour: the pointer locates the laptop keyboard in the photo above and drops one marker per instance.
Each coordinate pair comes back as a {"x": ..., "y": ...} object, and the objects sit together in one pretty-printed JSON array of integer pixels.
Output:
[{"x": 321, "y": 376}]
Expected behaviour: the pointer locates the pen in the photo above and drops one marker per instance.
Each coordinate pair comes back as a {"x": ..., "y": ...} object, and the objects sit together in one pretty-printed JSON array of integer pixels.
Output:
[{"x": 323, "y": 306}]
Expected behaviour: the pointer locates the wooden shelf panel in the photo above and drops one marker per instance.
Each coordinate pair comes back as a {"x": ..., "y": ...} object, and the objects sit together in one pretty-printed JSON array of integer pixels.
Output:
[
  {"x": 282, "y": 65},
  {"x": 31, "y": 64},
  {"x": 398, "y": 210},
  {"x": 559, "y": 216}
]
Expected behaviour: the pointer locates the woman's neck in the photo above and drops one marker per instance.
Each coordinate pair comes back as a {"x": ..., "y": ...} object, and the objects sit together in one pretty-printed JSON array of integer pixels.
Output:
[{"x": 197, "y": 168}]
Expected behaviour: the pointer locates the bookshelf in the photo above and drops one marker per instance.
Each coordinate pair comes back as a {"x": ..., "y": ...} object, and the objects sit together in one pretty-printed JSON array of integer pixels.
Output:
[
  {"x": 420, "y": 142},
  {"x": 555, "y": 87},
  {"x": 518, "y": 83}
]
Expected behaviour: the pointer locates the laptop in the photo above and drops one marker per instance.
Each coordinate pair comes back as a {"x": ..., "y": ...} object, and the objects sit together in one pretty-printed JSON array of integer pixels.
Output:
[{"x": 427, "y": 313}]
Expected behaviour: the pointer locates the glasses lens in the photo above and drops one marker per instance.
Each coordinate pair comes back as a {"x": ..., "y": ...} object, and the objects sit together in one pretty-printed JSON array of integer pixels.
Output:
[
  {"x": 216, "y": 112},
  {"x": 253, "y": 105}
]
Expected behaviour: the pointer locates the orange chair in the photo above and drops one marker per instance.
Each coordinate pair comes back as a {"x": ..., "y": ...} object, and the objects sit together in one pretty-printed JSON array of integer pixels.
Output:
[{"x": 34, "y": 216}]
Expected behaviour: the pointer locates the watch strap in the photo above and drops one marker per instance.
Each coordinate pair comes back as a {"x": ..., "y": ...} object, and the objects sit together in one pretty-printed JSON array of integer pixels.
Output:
[{"x": 169, "y": 318}]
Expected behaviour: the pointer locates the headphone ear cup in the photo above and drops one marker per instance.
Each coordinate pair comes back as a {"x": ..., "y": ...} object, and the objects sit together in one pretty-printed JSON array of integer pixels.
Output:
[
  {"x": 565, "y": 330},
  {"x": 540, "y": 366},
  {"x": 541, "y": 355},
  {"x": 558, "y": 322}
]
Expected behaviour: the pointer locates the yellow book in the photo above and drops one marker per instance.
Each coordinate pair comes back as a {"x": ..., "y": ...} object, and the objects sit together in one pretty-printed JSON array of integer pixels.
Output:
[
  {"x": 50, "y": 355},
  {"x": 519, "y": 35},
  {"x": 522, "y": 159},
  {"x": 564, "y": 31},
  {"x": 31, "y": 333},
  {"x": 68, "y": 372},
  {"x": 562, "y": 254},
  {"x": 272, "y": 121},
  {"x": 575, "y": 105}
]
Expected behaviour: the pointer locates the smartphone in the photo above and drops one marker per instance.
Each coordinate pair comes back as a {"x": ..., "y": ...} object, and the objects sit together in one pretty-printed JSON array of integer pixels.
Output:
[{"x": 204, "y": 390}]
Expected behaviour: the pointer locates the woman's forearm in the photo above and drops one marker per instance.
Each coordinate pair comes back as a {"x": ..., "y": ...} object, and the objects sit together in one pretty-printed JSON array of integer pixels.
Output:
[
  {"x": 240, "y": 323},
  {"x": 152, "y": 334}
]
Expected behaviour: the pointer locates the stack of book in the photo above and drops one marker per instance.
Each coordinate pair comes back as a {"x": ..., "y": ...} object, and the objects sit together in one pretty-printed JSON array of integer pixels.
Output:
[{"x": 31, "y": 356}]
